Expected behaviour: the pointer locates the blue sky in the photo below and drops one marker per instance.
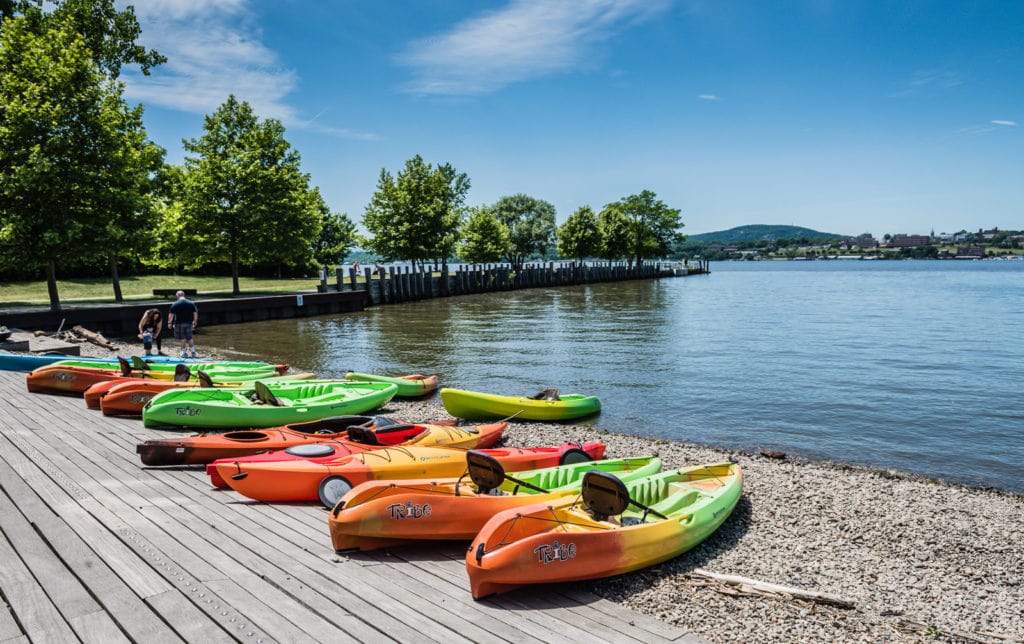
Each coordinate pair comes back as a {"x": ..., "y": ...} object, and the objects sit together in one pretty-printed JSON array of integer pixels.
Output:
[{"x": 842, "y": 116}]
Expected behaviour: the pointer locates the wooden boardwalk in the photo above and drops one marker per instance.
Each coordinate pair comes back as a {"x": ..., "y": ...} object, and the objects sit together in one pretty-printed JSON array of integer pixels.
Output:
[{"x": 95, "y": 547}]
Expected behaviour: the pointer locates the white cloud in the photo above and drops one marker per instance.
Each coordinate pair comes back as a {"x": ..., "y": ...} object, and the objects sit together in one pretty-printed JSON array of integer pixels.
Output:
[
  {"x": 708, "y": 97},
  {"x": 1009, "y": 123},
  {"x": 929, "y": 81},
  {"x": 524, "y": 40},
  {"x": 213, "y": 49}
]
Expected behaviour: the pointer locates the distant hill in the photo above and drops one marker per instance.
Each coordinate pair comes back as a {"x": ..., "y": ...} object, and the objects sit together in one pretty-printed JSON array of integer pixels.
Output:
[{"x": 760, "y": 231}]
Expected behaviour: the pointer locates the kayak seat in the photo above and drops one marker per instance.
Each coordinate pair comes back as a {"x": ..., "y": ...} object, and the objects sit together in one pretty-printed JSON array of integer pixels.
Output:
[
  {"x": 395, "y": 434},
  {"x": 362, "y": 435}
]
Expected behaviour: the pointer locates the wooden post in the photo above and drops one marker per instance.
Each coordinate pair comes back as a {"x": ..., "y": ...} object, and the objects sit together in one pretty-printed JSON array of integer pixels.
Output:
[{"x": 339, "y": 276}]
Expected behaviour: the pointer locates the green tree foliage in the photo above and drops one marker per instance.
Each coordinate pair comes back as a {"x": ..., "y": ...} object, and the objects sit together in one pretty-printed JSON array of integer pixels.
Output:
[
  {"x": 638, "y": 227},
  {"x": 80, "y": 138},
  {"x": 531, "y": 225},
  {"x": 110, "y": 33},
  {"x": 336, "y": 239},
  {"x": 53, "y": 135},
  {"x": 416, "y": 215},
  {"x": 243, "y": 196},
  {"x": 484, "y": 238},
  {"x": 579, "y": 237}
]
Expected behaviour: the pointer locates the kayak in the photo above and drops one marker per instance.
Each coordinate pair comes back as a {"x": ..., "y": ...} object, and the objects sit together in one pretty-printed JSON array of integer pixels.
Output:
[
  {"x": 137, "y": 363},
  {"x": 74, "y": 379},
  {"x": 304, "y": 480},
  {"x": 411, "y": 386},
  {"x": 30, "y": 361},
  {"x": 128, "y": 396},
  {"x": 614, "y": 528},
  {"x": 326, "y": 451},
  {"x": 379, "y": 514},
  {"x": 472, "y": 404},
  {"x": 264, "y": 405}
]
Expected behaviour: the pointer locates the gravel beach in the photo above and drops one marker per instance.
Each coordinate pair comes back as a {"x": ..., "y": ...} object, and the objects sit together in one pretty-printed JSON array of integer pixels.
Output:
[{"x": 921, "y": 560}]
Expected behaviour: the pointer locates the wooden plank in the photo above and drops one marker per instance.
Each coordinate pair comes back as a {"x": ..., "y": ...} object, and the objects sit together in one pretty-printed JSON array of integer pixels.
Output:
[
  {"x": 38, "y": 616},
  {"x": 243, "y": 567},
  {"x": 58, "y": 582},
  {"x": 9, "y": 628}
]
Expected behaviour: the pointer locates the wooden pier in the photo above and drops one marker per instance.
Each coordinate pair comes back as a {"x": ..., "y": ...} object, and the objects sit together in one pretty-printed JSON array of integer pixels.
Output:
[
  {"x": 95, "y": 547},
  {"x": 393, "y": 284}
]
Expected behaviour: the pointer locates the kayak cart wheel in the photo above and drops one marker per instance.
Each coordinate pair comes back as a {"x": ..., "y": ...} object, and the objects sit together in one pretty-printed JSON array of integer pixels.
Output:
[{"x": 332, "y": 489}]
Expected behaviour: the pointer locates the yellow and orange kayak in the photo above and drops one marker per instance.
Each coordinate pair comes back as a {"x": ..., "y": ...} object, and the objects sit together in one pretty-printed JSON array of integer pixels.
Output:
[
  {"x": 377, "y": 434},
  {"x": 614, "y": 528},
  {"x": 305, "y": 480},
  {"x": 379, "y": 514}
]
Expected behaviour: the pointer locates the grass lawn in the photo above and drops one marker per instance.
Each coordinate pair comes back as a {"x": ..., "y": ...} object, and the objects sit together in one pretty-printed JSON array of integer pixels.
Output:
[{"x": 141, "y": 288}]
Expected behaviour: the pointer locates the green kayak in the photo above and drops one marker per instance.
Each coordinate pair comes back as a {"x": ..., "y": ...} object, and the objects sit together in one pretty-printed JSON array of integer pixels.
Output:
[
  {"x": 546, "y": 405},
  {"x": 412, "y": 386},
  {"x": 264, "y": 404}
]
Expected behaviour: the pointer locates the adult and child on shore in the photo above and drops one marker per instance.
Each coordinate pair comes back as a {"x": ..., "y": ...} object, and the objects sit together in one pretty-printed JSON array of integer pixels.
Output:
[{"x": 183, "y": 317}]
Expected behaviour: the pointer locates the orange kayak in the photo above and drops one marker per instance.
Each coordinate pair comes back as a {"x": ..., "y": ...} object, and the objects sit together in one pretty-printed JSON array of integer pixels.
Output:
[
  {"x": 614, "y": 527},
  {"x": 304, "y": 480},
  {"x": 73, "y": 380},
  {"x": 379, "y": 514},
  {"x": 389, "y": 433}
]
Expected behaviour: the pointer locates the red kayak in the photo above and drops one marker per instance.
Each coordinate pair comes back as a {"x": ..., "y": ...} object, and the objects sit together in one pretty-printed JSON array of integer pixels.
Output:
[
  {"x": 358, "y": 439},
  {"x": 306, "y": 480}
]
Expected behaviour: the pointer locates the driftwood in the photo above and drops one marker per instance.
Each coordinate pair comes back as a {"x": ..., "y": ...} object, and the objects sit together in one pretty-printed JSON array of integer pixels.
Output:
[
  {"x": 745, "y": 586},
  {"x": 95, "y": 338},
  {"x": 932, "y": 630},
  {"x": 767, "y": 453}
]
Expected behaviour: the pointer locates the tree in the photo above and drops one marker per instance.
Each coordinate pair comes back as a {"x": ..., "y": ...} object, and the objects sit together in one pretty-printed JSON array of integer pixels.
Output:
[
  {"x": 125, "y": 200},
  {"x": 52, "y": 125},
  {"x": 417, "y": 214},
  {"x": 615, "y": 232},
  {"x": 641, "y": 226},
  {"x": 336, "y": 239},
  {"x": 93, "y": 146},
  {"x": 109, "y": 33},
  {"x": 579, "y": 237},
  {"x": 531, "y": 225},
  {"x": 484, "y": 238},
  {"x": 243, "y": 196}
]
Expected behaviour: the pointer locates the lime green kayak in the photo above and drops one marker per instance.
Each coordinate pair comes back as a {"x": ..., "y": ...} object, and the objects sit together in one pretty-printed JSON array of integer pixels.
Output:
[
  {"x": 412, "y": 386},
  {"x": 264, "y": 404},
  {"x": 472, "y": 404}
]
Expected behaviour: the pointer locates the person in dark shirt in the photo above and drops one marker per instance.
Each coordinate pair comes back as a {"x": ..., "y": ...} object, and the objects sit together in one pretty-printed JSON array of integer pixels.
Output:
[
  {"x": 184, "y": 316},
  {"x": 150, "y": 326}
]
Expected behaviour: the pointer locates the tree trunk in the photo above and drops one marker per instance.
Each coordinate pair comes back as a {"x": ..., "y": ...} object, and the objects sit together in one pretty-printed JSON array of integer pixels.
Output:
[
  {"x": 114, "y": 276},
  {"x": 51, "y": 286},
  {"x": 234, "y": 273}
]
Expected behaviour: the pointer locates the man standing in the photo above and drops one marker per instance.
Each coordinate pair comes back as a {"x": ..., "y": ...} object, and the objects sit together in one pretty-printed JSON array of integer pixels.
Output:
[{"x": 184, "y": 316}]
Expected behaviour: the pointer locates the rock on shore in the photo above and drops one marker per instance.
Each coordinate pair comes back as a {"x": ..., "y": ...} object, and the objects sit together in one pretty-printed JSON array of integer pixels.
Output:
[{"x": 922, "y": 560}]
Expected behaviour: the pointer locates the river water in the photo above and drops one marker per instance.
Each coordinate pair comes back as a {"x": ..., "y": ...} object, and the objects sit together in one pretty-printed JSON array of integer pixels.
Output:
[{"x": 913, "y": 365}]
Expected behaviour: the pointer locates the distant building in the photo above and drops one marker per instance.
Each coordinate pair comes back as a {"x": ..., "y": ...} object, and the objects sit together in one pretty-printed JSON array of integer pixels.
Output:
[
  {"x": 987, "y": 234},
  {"x": 963, "y": 237},
  {"x": 909, "y": 241},
  {"x": 861, "y": 241},
  {"x": 944, "y": 237},
  {"x": 970, "y": 252}
]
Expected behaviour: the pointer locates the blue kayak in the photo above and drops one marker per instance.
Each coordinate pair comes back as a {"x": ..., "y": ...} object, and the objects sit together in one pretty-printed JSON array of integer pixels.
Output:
[{"x": 30, "y": 361}]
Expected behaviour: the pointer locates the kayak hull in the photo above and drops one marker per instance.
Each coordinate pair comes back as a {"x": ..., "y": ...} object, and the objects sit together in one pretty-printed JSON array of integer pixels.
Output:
[
  {"x": 472, "y": 404},
  {"x": 228, "y": 408},
  {"x": 563, "y": 542},
  {"x": 300, "y": 480},
  {"x": 411, "y": 386},
  {"x": 385, "y": 513},
  {"x": 424, "y": 435}
]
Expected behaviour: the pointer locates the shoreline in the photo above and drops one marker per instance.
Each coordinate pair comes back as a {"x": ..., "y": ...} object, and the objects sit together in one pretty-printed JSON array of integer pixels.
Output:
[{"x": 920, "y": 558}]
